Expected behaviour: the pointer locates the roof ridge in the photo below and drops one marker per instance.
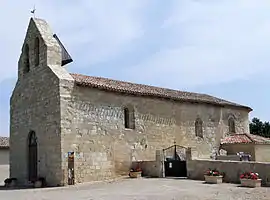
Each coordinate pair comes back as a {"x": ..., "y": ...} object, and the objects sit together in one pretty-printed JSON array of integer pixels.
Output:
[
  {"x": 159, "y": 87},
  {"x": 150, "y": 90},
  {"x": 245, "y": 138},
  {"x": 253, "y": 141},
  {"x": 257, "y": 135}
]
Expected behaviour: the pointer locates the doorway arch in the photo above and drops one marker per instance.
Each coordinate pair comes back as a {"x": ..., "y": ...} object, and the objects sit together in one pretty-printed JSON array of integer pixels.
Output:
[{"x": 32, "y": 156}]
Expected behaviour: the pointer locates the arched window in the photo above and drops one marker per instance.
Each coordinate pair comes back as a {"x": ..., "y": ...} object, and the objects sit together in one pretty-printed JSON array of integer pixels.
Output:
[
  {"x": 26, "y": 59},
  {"x": 36, "y": 50},
  {"x": 32, "y": 139},
  {"x": 129, "y": 118},
  {"x": 231, "y": 124},
  {"x": 199, "y": 128}
]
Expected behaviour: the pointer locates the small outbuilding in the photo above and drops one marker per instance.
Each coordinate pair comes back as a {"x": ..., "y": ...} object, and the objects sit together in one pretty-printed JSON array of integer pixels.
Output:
[
  {"x": 4, "y": 159},
  {"x": 258, "y": 147},
  {"x": 4, "y": 150}
]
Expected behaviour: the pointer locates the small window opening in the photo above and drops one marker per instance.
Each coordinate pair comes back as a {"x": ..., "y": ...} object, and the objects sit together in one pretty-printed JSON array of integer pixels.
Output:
[
  {"x": 231, "y": 123},
  {"x": 26, "y": 59},
  {"x": 199, "y": 128},
  {"x": 129, "y": 118},
  {"x": 36, "y": 51}
]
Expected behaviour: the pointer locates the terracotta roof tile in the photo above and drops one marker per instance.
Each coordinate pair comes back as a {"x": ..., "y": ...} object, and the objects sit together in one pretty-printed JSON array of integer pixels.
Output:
[
  {"x": 4, "y": 142},
  {"x": 259, "y": 139},
  {"x": 146, "y": 90},
  {"x": 245, "y": 139}
]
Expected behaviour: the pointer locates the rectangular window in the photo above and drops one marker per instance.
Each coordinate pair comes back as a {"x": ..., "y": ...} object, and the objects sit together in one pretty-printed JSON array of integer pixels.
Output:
[
  {"x": 129, "y": 118},
  {"x": 126, "y": 113}
]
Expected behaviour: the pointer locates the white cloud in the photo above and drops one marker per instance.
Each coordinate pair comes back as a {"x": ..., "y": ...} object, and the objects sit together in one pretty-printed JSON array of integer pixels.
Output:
[
  {"x": 199, "y": 42},
  {"x": 210, "y": 42},
  {"x": 184, "y": 42},
  {"x": 94, "y": 31}
]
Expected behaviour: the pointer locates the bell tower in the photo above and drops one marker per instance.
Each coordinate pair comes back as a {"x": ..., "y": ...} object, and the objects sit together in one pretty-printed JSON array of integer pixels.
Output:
[
  {"x": 41, "y": 48},
  {"x": 35, "y": 106}
]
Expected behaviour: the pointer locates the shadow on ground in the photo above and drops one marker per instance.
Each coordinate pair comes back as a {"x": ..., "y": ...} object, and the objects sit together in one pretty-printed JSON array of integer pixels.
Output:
[
  {"x": 2, "y": 187},
  {"x": 173, "y": 178}
]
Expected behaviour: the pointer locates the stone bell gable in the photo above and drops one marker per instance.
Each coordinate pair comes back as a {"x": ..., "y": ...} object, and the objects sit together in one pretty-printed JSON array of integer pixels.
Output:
[
  {"x": 35, "y": 105},
  {"x": 42, "y": 54}
]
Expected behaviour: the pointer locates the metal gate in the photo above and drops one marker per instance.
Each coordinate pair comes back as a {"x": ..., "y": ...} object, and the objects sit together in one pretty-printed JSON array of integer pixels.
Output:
[{"x": 175, "y": 161}]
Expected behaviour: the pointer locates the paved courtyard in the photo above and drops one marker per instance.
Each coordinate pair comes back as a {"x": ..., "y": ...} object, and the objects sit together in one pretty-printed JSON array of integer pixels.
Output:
[{"x": 139, "y": 189}]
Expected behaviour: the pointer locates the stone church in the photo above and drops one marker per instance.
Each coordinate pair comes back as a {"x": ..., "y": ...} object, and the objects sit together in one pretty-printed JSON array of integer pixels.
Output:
[{"x": 98, "y": 125}]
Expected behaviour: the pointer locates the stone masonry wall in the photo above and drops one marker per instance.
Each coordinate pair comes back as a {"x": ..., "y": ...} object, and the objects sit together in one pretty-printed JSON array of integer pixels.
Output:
[
  {"x": 93, "y": 127},
  {"x": 35, "y": 106},
  {"x": 232, "y": 169},
  {"x": 262, "y": 153},
  {"x": 151, "y": 168},
  {"x": 233, "y": 149},
  {"x": 4, "y": 156}
]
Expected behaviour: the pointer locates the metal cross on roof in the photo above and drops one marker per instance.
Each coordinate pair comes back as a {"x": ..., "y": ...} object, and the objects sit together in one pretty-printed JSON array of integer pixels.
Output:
[{"x": 33, "y": 11}]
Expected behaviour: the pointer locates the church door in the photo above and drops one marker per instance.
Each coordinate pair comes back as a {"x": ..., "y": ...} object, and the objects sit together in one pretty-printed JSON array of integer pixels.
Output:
[
  {"x": 32, "y": 156},
  {"x": 71, "y": 178}
]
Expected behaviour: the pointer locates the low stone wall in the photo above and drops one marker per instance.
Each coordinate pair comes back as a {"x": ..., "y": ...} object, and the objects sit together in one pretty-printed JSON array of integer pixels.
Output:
[
  {"x": 229, "y": 157},
  {"x": 232, "y": 169},
  {"x": 150, "y": 168},
  {"x": 156, "y": 168},
  {"x": 4, "y": 173}
]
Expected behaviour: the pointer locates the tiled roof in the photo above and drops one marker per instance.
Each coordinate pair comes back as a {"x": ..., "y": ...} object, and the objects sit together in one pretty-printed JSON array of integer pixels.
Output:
[
  {"x": 245, "y": 139},
  {"x": 146, "y": 90},
  {"x": 4, "y": 142}
]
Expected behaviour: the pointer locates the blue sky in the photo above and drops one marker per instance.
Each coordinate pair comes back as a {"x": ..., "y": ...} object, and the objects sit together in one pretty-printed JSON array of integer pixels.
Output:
[{"x": 216, "y": 47}]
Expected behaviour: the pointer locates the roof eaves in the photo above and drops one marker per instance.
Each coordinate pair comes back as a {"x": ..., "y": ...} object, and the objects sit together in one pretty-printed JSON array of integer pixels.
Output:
[{"x": 85, "y": 84}]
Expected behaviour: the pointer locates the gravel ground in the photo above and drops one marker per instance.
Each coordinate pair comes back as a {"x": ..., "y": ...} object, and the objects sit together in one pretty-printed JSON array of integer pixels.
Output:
[{"x": 141, "y": 189}]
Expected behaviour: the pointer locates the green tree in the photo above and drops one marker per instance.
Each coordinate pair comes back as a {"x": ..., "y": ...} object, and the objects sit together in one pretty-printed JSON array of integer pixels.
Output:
[
  {"x": 257, "y": 127},
  {"x": 267, "y": 129}
]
